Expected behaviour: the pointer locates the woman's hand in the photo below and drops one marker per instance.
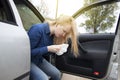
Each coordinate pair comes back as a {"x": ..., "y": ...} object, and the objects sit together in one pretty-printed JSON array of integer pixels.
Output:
[{"x": 54, "y": 48}]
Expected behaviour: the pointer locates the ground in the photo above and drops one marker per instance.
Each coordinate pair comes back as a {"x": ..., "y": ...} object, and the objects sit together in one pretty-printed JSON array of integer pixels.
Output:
[{"x": 71, "y": 77}]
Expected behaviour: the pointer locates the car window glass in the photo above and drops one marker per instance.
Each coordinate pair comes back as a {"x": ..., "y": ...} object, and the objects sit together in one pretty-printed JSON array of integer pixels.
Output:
[
  {"x": 5, "y": 12},
  {"x": 27, "y": 15},
  {"x": 101, "y": 19}
]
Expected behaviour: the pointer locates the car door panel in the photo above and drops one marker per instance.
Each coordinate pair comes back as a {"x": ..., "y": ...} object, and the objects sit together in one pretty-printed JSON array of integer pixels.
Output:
[
  {"x": 96, "y": 46},
  {"x": 94, "y": 61},
  {"x": 14, "y": 44},
  {"x": 14, "y": 52}
]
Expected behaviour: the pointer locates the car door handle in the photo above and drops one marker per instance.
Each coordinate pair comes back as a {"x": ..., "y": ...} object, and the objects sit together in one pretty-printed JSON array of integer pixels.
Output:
[{"x": 81, "y": 48}]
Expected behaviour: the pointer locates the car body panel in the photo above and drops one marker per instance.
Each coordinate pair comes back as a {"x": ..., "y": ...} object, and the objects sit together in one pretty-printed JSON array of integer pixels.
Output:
[{"x": 14, "y": 52}]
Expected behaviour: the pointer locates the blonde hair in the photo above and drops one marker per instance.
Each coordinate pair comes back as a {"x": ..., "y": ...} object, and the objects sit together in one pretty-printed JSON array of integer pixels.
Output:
[{"x": 67, "y": 20}]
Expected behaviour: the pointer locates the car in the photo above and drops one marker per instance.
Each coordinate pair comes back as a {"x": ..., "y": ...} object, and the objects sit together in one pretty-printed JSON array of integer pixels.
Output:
[{"x": 98, "y": 52}]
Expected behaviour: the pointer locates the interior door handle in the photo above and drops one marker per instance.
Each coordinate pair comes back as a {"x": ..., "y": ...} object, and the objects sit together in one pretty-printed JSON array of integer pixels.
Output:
[{"x": 81, "y": 48}]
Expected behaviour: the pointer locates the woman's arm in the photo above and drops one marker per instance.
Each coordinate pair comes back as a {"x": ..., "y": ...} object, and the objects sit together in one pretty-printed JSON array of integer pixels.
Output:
[{"x": 35, "y": 36}]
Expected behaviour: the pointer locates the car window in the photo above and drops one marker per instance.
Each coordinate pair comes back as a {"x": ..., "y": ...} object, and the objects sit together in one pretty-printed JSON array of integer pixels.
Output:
[
  {"x": 101, "y": 19},
  {"x": 27, "y": 15},
  {"x": 5, "y": 12}
]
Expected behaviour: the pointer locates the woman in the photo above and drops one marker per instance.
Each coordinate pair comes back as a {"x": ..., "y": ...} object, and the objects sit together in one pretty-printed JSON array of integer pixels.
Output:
[{"x": 46, "y": 38}]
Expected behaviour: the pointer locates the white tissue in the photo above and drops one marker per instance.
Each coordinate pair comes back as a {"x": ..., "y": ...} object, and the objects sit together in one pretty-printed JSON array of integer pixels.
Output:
[{"x": 63, "y": 49}]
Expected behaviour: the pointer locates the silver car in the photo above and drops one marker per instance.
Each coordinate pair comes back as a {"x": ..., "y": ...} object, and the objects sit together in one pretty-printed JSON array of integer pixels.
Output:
[{"x": 99, "y": 53}]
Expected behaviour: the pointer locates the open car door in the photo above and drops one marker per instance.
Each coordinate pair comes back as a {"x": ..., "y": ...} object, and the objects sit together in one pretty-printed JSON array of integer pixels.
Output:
[{"x": 98, "y": 51}]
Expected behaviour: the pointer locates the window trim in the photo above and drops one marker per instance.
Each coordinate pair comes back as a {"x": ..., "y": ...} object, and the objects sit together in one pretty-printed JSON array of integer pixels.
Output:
[{"x": 9, "y": 13}]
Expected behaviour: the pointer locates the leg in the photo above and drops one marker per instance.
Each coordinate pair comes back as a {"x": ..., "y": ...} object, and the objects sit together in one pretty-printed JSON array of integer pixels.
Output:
[
  {"x": 37, "y": 74},
  {"x": 50, "y": 70}
]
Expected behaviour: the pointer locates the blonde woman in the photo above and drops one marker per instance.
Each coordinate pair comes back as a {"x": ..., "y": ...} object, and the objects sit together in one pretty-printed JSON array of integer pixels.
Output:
[{"x": 46, "y": 38}]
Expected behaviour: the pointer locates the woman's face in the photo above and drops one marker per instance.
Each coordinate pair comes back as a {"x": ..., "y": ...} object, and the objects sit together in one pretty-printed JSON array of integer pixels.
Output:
[{"x": 61, "y": 31}]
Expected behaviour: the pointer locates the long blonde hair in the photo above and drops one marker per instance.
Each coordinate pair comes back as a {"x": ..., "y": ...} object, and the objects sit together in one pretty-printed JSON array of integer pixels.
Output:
[{"x": 67, "y": 20}]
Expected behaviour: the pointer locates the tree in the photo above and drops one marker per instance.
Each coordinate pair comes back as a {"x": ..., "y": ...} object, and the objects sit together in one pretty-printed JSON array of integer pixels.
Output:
[
  {"x": 100, "y": 18},
  {"x": 41, "y": 6}
]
